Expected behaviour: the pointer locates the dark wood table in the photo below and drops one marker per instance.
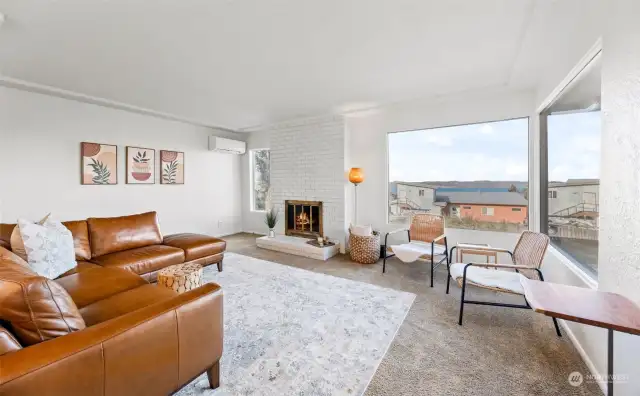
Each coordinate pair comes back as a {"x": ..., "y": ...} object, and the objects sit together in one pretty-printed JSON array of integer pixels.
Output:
[{"x": 591, "y": 307}]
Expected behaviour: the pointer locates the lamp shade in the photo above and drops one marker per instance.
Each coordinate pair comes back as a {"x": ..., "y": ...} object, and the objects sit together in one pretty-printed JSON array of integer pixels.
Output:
[{"x": 356, "y": 176}]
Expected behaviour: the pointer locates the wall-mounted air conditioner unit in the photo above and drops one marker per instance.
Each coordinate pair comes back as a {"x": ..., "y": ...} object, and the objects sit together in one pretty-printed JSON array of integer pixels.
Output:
[{"x": 228, "y": 146}]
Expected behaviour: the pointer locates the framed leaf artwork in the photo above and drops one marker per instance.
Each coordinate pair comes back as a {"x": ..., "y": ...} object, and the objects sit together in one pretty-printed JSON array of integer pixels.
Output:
[
  {"x": 99, "y": 164},
  {"x": 141, "y": 165},
  {"x": 171, "y": 167}
]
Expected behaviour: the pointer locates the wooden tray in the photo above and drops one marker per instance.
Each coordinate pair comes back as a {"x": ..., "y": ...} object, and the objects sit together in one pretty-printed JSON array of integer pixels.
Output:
[{"x": 316, "y": 244}]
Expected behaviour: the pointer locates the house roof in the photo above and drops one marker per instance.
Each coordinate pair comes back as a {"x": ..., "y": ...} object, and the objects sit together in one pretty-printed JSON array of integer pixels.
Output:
[
  {"x": 576, "y": 182},
  {"x": 418, "y": 184},
  {"x": 482, "y": 198}
]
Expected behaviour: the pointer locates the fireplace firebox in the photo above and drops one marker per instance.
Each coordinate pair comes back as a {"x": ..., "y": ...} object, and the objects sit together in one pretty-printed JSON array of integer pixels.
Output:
[{"x": 303, "y": 218}]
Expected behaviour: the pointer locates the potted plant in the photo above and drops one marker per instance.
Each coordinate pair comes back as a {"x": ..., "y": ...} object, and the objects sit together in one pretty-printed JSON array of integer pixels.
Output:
[{"x": 271, "y": 219}]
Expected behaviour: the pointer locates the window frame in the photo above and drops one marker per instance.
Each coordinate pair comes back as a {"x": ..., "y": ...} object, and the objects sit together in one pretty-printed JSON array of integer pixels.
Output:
[
  {"x": 545, "y": 194},
  {"x": 252, "y": 206},
  {"x": 543, "y": 112},
  {"x": 485, "y": 211}
]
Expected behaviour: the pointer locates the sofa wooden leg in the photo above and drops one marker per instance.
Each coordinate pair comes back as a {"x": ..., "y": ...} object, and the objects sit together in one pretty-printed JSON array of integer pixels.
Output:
[
  {"x": 220, "y": 266},
  {"x": 214, "y": 375}
]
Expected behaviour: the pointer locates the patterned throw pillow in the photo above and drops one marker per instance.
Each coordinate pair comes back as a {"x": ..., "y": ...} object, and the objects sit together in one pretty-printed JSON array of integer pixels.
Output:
[
  {"x": 49, "y": 247},
  {"x": 361, "y": 230},
  {"x": 17, "y": 244}
]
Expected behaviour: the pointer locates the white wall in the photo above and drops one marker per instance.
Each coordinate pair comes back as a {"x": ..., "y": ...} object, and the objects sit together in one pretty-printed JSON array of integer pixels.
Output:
[
  {"x": 307, "y": 163},
  {"x": 589, "y": 341},
  {"x": 368, "y": 137},
  {"x": 40, "y": 160},
  {"x": 619, "y": 255}
]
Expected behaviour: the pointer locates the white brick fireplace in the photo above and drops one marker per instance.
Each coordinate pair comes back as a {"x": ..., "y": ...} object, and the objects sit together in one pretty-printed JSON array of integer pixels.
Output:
[{"x": 308, "y": 163}]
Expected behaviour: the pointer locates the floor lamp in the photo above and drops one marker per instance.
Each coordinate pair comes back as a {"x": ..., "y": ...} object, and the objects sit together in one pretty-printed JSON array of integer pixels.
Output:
[{"x": 356, "y": 176}]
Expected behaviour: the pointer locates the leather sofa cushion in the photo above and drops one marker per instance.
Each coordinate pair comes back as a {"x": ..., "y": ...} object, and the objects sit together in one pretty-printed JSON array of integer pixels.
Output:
[
  {"x": 82, "y": 266},
  {"x": 8, "y": 257},
  {"x": 5, "y": 235},
  {"x": 8, "y": 342},
  {"x": 142, "y": 260},
  {"x": 195, "y": 246},
  {"x": 116, "y": 234},
  {"x": 37, "y": 308},
  {"x": 125, "y": 302},
  {"x": 94, "y": 284},
  {"x": 79, "y": 231}
]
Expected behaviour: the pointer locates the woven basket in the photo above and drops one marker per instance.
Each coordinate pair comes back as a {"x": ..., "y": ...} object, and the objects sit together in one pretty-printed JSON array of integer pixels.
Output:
[{"x": 364, "y": 249}]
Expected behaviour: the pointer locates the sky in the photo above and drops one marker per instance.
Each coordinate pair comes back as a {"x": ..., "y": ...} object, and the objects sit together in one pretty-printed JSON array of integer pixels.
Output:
[{"x": 496, "y": 151}]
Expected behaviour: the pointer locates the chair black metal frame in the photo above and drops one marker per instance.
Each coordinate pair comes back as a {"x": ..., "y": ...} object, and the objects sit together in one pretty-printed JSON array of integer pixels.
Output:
[
  {"x": 434, "y": 264},
  {"x": 481, "y": 248},
  {"x": 490, "y": 265}
]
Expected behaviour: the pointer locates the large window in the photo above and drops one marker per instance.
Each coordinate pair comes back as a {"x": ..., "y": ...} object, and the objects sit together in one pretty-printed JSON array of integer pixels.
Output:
[
  {"x": 572, "y": 127},
  {"x": 260, "y": 179},
  {"x": 574, "y": 185},
  {"x": 475, "y": 175}
]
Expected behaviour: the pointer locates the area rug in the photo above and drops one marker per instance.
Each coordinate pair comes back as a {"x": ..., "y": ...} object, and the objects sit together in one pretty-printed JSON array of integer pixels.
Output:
[{"x": 289, "y": 331}]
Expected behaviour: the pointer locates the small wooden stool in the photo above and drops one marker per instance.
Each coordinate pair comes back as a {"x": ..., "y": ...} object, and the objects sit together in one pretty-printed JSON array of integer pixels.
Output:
[{"x": 181, "y": 277}]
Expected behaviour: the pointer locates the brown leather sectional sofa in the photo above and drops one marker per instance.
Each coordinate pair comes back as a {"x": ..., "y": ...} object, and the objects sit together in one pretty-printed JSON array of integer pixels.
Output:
[{"x": 103, "y": 328}]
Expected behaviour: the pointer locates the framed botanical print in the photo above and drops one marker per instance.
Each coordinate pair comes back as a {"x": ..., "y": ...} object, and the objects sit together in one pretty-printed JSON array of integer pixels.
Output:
[
  {"x": 171, "y": 167},
  {"x": 99, "y": 164},
  {"x": 141, "y": 165}
]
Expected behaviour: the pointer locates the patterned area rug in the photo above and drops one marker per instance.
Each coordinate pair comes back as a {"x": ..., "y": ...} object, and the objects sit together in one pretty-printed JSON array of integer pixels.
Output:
[{"x": 295, "y": 332}]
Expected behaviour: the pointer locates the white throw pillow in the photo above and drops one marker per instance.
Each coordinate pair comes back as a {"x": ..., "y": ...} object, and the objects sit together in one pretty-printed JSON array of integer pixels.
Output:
[
  {"x": 17, "y": 244},
  {"x": 49, "y": 247},
  {"x": 361, "y": 230}
]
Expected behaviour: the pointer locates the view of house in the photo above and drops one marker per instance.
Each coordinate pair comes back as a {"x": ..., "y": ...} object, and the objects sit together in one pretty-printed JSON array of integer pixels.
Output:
[
  {"x": 489, "y": 203},
  {"x": 319, "y": 198}
]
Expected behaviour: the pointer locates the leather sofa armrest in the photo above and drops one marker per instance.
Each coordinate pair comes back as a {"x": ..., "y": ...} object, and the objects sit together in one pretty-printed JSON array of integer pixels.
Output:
[{"x": 154, "y": 350}]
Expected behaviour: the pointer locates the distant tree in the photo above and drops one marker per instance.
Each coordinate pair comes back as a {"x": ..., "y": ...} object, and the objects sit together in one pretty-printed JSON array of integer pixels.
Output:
[
  {"x": 513, "y": 188},
  {"x": 526, "y": 193},
  {"x": 262, "y": 166},
  {"x": 262, "y": 181}
]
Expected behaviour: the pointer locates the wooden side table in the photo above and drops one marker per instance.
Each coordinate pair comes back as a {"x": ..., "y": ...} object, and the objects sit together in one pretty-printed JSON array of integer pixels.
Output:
[
  {"x": 181, "y": 277},
  {"x": 479, "y": 249},
  {"x": 467, "y": 248},
  {"x": 591, "y": 307}
]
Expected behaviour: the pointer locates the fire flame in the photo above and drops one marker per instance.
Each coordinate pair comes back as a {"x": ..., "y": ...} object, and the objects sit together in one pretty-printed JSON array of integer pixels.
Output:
[{"x": 302, "y": 219}]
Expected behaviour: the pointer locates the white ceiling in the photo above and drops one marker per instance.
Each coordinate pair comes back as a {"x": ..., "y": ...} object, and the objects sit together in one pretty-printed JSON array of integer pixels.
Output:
[{"x": 241, "y": 63}]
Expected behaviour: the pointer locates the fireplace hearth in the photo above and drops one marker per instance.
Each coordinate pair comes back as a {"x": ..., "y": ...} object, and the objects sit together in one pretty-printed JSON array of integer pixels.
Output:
[{"x": 303, "y": 218}]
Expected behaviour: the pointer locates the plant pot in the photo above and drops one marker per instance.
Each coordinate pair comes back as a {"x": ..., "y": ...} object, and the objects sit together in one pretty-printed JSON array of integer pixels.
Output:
[
  {"x": 272, "y": 233},
  {"x": 141, "y": 172}
]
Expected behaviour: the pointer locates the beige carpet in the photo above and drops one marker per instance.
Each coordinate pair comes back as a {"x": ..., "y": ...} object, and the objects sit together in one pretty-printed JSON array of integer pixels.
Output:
[{"x": 497, "y": 351}]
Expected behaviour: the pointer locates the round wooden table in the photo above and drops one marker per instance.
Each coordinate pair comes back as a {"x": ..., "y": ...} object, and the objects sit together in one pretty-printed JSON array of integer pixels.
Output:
[{"x": 181, "y": 277}]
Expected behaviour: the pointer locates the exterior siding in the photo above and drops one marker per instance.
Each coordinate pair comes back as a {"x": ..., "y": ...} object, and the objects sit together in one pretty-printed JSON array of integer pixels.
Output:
[
  {"x": 500, "y": 213},
  {"x": 568, "y": 196},
  {"x": 412, "y": 194}
]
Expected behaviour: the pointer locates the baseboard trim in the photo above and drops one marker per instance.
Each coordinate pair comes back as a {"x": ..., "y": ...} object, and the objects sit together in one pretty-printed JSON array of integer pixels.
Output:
[{"x": 585, "y": 357}]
